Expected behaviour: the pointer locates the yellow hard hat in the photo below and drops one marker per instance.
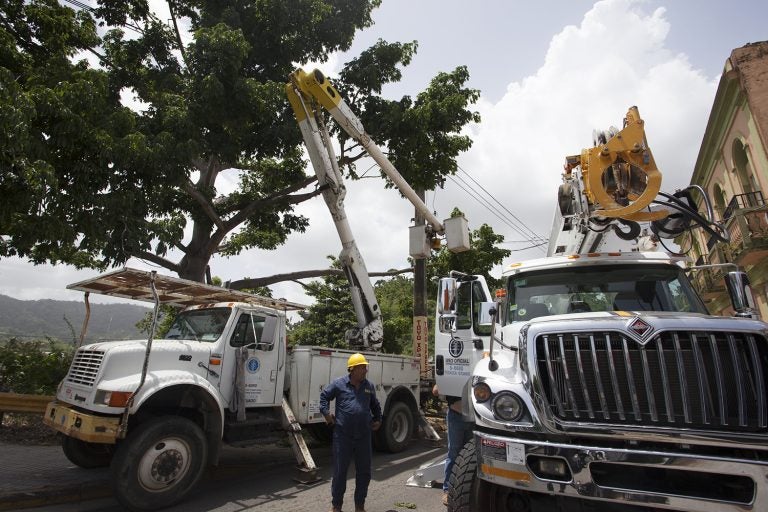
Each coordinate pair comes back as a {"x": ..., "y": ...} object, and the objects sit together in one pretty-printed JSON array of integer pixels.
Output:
[{"x": 355, "y": 360}]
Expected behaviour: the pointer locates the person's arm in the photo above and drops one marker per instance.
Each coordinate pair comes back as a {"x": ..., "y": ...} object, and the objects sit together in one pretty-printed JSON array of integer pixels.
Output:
[
  {"x": 326, "y": 395},
  {"x": 375, "y": 410}
]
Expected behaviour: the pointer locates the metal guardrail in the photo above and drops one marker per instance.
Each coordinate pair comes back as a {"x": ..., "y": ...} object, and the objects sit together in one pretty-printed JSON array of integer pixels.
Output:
[{"x": 15, "y": 402}]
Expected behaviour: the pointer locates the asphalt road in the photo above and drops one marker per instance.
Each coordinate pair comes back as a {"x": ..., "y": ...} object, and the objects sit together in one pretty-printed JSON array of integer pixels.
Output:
[{"x": 250, "y": 479}]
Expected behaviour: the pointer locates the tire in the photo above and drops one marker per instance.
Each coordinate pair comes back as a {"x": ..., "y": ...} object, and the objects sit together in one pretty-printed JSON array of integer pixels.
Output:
[
  {"x": 397, "y": 428},
  {"x": 321, "y": 432},
  {"x": 468, "y": 493},
  {"x": 463, "y": 480},
  {"x": 87, "y": 455},
  {"x": 159, "y": 463}
]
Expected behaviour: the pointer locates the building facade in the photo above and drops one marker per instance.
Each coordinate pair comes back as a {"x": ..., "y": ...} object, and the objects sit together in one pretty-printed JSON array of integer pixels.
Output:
[{"x": 732, "y": 167}]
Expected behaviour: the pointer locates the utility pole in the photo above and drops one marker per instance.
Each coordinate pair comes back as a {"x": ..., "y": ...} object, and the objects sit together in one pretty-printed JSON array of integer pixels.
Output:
[{"x": 420, "y": 330}]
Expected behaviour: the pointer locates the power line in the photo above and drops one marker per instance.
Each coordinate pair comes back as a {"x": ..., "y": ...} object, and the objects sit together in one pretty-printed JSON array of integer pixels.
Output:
[
  {"x": 535, "y": 235},
  {"x": 530, "y": 237}
]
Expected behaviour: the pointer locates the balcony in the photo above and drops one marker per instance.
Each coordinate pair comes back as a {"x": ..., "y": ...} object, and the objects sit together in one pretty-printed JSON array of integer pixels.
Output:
[
  {"x": 746, "y": 220},
  {"x": 710, "y": 282}
]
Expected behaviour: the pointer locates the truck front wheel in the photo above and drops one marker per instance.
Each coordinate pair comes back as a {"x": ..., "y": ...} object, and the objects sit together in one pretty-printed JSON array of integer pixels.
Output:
[
  {"x": 87, "y": 455},
  {"x": 468, "y": 493},
  {"x": 397, "y": 428},
  {"x": 158, "y": 464}
]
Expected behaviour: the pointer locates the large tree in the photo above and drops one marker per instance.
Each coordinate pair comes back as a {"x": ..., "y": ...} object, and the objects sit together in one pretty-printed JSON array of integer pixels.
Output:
[{"x": 92, "y": 179}]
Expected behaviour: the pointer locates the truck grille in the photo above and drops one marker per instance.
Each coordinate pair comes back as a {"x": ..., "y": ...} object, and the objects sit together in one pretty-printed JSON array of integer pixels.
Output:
[
  {"x": 693, "y": 380},
  {"x": 85, "y": 367}
]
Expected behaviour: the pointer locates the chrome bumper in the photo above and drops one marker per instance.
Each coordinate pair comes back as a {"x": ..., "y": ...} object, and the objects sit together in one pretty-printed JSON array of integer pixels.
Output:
[{"x": 675, "y": 481}]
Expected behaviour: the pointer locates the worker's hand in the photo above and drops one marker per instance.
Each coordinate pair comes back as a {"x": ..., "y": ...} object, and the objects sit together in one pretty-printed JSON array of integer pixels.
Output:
[
  {"x": 330, "y": 419},
  {"x": 375, "y": 425}
]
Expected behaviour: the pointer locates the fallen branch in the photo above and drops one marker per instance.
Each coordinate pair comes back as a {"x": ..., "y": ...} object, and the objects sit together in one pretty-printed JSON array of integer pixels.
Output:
[{"x": 303, "y": 274}]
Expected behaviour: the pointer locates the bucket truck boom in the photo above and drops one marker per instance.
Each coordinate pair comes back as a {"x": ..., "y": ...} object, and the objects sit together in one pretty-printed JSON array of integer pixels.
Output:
[{"x": 309, "y": 94}]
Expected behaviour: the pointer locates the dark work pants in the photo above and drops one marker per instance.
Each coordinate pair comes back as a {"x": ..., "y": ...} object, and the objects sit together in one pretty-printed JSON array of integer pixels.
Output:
[{"x": 346, "y": 449}]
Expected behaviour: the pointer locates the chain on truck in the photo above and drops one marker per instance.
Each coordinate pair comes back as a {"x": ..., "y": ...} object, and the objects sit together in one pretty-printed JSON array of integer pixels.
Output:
[
  {"x": 598, "y": 381},
  {"x": 158, "y": 411}
]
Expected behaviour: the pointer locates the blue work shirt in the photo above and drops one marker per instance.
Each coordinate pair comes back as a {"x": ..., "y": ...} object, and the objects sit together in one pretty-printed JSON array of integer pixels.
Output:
[{"x": 355, "y": 408}]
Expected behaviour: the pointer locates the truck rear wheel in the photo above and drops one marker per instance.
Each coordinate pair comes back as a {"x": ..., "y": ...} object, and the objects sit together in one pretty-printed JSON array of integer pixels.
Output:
[
  {"x": 468, "y": 493},
  {"x": 158, "y": 464},
  {"x": 397, "y": 428},
  {"x": 87, "y": 455}
]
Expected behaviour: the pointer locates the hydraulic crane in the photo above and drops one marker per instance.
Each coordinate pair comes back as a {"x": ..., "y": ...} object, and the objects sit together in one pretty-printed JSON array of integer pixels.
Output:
[{"x": 310, "y": 94}]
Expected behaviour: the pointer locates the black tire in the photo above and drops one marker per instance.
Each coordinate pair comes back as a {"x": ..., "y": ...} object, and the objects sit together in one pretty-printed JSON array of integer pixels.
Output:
[
  {"x": 158, "y": 463},
  {"x": 321, "y": 432},
  {"x": 463, "y": 480},
  {"x": 468, "y": 493},
  {"x": 397, "y": 429},
  {"x": 87, "y": 455}
]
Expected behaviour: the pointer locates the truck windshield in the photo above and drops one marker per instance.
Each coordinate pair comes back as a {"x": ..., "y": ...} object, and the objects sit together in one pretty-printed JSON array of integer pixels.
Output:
[
  {"x": 600, "y": 288},
  {"x": 199, "y": 324}
]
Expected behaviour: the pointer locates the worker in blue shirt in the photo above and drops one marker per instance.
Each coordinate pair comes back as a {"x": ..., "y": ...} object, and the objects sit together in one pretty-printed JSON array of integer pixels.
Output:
[{"x": 358, "y": 413}]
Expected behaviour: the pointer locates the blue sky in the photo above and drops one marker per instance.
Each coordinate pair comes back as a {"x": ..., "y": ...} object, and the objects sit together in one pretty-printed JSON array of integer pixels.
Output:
[{"x": 550, "y": 72}]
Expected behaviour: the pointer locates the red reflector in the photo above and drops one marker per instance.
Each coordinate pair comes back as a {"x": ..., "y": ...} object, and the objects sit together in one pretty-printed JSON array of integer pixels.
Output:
[{"x": 325, "y": 352}]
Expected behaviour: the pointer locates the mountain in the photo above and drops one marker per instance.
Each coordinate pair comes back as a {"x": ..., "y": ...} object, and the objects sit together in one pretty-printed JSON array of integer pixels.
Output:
[{"x": 36, "y": 319}]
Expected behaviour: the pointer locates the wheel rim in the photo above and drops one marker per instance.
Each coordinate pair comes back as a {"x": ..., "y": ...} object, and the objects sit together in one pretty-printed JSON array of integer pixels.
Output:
[
  {"x": 400, "y": 426},
  {"x": 164, "y": 464}
]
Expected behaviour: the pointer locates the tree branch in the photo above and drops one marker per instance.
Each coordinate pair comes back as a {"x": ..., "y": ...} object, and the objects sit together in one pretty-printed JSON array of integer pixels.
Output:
[
  {"x": 178, "y": 34},
  {"x": 252, "y": 206},
  {"x": 158, "y": 260},
  {"x": 304, "y": 274},
  {"x": 201, "y": 200}
]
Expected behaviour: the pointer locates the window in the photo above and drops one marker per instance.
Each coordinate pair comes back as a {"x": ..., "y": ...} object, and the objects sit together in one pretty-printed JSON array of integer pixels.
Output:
[
  {"x": 249, "y": 332},
  {"x": 601, "y": 288},
  {"x": 469, "y": 297},
  {"x": 199, "y": 324}
]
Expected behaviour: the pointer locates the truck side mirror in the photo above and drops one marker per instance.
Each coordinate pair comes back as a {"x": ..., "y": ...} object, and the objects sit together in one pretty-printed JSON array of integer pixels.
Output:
[
  {"x": 446, "y": 298},
  {"x": 446, "y": 304},
  {"x": 741, "y": 294}
]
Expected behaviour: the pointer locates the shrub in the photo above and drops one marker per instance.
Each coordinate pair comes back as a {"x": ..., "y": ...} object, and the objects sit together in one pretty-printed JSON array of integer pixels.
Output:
[{"x": 33, "y": 367}]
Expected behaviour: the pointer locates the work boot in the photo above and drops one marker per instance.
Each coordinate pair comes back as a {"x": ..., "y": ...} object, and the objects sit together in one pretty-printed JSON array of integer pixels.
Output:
[
  {"x": 445, "y": 498},
  {"x": 336, "y": 509}
]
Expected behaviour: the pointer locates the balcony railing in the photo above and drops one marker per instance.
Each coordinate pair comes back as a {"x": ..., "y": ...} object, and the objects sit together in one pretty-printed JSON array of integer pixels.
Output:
[
  {"x": 742, "y": 201},
  {"x": 748, "y": 230}
]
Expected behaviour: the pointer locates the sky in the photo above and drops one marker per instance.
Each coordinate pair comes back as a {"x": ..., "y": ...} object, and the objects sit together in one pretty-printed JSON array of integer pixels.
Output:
[{"x": 549, "y": 72}]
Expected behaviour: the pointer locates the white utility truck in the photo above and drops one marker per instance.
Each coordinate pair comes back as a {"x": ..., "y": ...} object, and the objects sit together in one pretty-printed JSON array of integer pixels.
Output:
[
  {"x": 604, "y": 384},
  {"x": 158, "y": 411}
]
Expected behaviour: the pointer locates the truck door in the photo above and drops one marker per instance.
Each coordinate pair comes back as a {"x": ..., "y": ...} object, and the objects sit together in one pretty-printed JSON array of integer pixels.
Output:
[
  {"x": 256, "y": 340},
  {"x": 458, "y": 348}
]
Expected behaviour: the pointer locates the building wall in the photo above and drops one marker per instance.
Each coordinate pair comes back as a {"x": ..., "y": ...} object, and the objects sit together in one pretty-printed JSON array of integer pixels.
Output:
[{"x": 732, "y": 162}]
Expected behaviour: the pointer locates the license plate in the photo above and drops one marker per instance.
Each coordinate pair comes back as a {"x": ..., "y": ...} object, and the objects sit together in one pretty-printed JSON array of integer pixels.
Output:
[{"x": 516, "y": 453}]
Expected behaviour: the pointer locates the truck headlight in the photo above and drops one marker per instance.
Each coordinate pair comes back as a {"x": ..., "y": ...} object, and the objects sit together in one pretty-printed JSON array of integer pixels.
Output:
[{"x": 507, "y": 406}]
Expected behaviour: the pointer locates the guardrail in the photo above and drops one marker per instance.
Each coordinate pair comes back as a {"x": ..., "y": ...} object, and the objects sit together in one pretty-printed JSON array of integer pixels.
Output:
[{"x": 15, "y": 402}]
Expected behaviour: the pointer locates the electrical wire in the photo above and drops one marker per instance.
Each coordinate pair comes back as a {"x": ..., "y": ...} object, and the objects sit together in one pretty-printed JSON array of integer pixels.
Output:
[
  {"x": 535, "y": 235},
  {"x": 531, "y": 237}
]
